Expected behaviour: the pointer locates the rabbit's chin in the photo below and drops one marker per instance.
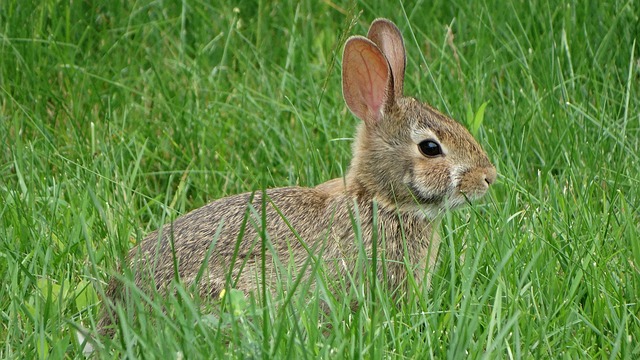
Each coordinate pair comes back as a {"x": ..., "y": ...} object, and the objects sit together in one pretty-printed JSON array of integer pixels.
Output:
[
  {"x": 434, "y": 210},
  {"x": 460, "y": 199}
]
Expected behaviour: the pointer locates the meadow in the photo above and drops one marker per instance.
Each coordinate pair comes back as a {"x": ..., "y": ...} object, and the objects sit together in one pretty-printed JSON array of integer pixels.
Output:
[{"x": 116, "y": 116}]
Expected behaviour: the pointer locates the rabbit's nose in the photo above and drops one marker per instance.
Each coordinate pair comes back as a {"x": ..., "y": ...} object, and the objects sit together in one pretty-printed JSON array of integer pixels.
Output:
[{"x": 490, "y": 175}]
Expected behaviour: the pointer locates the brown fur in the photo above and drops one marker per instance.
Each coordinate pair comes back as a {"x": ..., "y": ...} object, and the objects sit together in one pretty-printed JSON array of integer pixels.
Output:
[{"x": 388, "y": 169}]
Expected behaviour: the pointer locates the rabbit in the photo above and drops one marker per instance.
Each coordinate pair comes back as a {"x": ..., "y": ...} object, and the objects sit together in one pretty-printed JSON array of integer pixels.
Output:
[{"x": 410, "y": 164}]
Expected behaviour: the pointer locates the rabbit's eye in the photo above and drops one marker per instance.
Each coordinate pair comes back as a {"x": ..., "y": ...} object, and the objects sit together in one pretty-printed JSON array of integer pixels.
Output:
[{"x": 430, "y": 148}]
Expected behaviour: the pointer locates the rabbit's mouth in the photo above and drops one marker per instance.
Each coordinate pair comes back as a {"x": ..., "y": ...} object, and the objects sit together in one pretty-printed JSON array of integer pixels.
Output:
[{"x": 450, "y": 199}]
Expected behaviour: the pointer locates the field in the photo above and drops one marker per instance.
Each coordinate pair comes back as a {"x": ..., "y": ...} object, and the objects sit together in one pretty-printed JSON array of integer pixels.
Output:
[{"x": 117, "y": 116}]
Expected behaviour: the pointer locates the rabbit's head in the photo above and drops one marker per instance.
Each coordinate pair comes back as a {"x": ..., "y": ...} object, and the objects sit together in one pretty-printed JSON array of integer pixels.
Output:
[{"x": 407, "y": 155}]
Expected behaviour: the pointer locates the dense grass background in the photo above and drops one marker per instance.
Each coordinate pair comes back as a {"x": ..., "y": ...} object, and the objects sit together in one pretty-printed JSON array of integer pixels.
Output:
[{"x": 117, "y": 114}]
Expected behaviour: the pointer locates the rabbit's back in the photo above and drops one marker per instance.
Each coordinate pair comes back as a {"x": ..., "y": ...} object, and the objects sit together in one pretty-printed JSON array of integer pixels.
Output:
[{"x": 221, "y": 241}]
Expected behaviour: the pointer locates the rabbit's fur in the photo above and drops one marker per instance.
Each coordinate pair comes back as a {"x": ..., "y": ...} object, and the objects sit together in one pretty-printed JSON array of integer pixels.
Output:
[{"x": 409, "y": 189}]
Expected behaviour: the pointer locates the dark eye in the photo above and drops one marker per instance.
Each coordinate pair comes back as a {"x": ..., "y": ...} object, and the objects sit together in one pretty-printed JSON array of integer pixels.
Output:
[{"x": 430, "y": 148}]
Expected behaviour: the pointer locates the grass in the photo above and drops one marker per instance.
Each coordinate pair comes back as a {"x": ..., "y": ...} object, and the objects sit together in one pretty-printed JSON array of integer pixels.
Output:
[{"x": 119, "y": 115}]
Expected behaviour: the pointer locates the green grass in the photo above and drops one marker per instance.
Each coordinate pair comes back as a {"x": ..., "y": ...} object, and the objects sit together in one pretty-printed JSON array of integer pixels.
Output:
[{"x": 117, "y": 115}]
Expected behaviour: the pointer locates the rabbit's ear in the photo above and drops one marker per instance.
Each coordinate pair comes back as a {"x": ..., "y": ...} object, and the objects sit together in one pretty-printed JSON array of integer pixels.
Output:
[
  {"x": 367, "y": 83},
  {"x": 388, "y": 38}
]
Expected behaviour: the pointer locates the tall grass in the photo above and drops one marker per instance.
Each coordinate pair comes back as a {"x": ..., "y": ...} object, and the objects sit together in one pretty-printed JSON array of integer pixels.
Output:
[{"x": 118, "y": 116}]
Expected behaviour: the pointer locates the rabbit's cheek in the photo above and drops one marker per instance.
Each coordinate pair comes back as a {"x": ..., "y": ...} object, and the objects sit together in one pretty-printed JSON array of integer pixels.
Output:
[
  {"x": 434, "y": 175},
  {"x": 457, "y": 175}
]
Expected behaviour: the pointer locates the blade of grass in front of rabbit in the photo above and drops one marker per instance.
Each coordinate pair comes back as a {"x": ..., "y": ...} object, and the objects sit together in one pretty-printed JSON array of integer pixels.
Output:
[
  {"x": 263, "y": 273},
  {"x": 374, "y": 275},
  {"x": 207, "y": 256},
  {"x": 236, "y": 249}
]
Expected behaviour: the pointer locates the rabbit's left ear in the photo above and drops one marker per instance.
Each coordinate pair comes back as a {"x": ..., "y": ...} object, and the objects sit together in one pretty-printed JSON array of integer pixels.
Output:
[{"x": 388, "y": 38}]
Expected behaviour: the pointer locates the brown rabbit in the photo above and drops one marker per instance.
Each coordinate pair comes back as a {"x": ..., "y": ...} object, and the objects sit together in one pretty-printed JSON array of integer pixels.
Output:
[{"x": 409, "y": 159}]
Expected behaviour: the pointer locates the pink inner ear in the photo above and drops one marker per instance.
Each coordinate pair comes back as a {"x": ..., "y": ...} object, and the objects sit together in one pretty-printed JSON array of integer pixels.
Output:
[
  {"x": 372, "y": 70},
  {"x": 366, "y": 76}
]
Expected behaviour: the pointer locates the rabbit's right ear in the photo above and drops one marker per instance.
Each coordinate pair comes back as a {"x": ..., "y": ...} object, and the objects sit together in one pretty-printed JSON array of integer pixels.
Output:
[
  {"x": 367, "y": 82},
  {"x": 388, "y": 38}
]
